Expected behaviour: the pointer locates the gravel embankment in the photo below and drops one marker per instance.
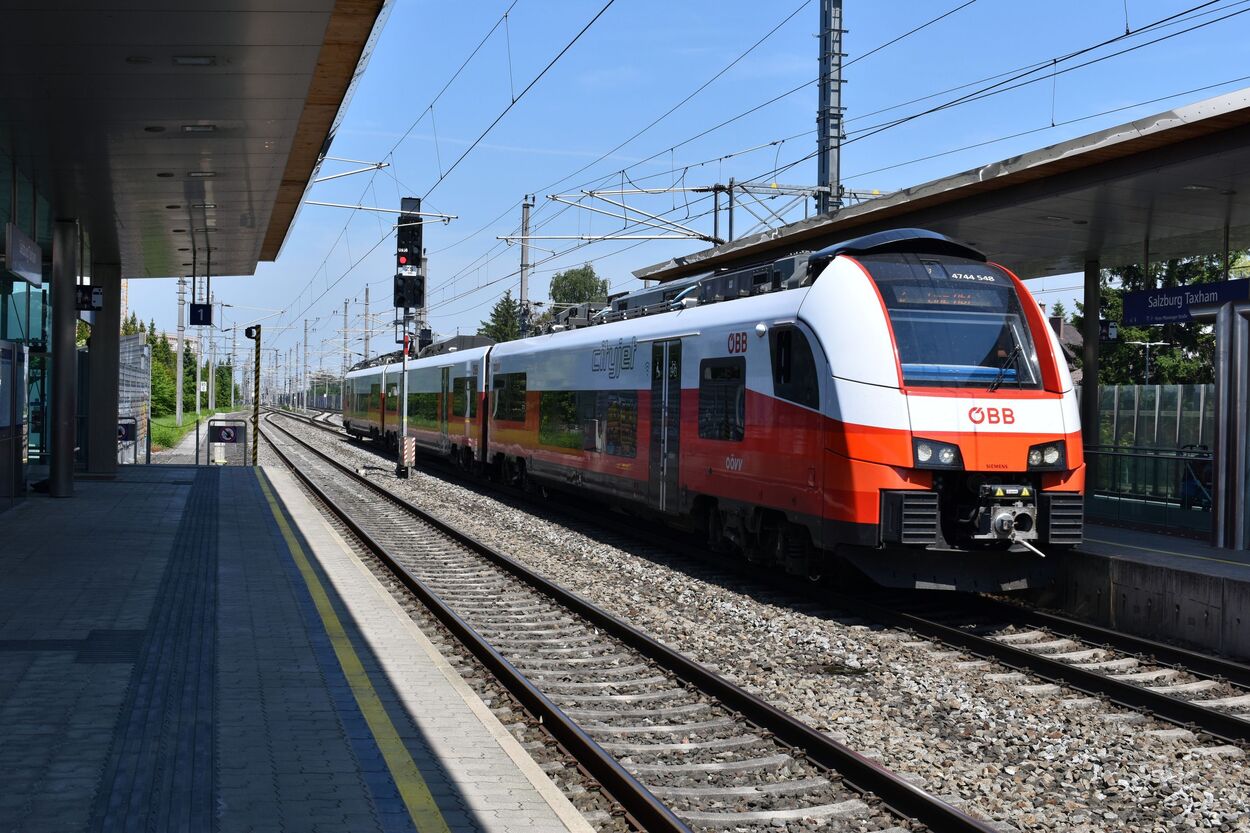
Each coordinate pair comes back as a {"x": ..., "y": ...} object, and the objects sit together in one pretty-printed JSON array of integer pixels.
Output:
[{"x": 1038, "y": 757}]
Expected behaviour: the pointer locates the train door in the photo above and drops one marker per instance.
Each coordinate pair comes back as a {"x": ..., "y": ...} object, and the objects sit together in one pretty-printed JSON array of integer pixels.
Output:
[
  {"x": 665, "y": 423},
  {"x": 444, "y": 408}
]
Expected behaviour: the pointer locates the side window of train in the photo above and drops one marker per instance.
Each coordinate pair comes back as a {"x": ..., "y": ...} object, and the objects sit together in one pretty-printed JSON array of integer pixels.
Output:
[
  {"x": 722, "y": 399},
  {"x": 510, "y": 396},
  {"x": 794, "y": 366},
  {"x": 621, "y": 418},
  {"x": 462, "y": 396}
]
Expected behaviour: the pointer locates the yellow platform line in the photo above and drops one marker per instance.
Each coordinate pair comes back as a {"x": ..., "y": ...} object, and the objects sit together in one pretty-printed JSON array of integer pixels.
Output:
[{"x": 412, "y": 787}]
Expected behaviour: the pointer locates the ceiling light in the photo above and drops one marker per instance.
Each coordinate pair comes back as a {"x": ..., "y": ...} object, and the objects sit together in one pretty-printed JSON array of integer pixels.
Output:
[
  {"x": 1199, "y": 188},
  {"x": 1227, "y": 192},
  {"x": 207, "y": 205},
  {"x": 205, "y": 230},
  {"x": 199, "y": 128},
  {"x": 195, "y": 60},
  {"x": 201, "y": 173},
  {"x": 138, "y": 59},
  {"x": 154, "y": 128},
  {"x": 1054, "y": 217},
  {"x": 164, "y": 174}
]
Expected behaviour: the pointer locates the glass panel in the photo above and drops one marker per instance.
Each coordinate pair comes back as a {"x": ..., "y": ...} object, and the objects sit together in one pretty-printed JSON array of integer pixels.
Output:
[{"x": 1169, "y": 395}]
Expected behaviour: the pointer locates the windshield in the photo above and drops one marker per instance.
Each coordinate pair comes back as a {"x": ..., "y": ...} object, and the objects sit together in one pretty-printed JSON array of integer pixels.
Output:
[{"x": 957, "y": 323}]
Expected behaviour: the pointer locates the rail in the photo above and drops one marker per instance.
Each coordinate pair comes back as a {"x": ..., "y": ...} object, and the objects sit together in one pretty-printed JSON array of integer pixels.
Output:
[{"x": 864, "y": 773}]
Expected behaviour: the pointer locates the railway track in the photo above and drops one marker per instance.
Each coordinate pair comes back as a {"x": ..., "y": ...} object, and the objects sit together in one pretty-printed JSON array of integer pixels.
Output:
[
  {"x": 1197, "y": 692},
  {"x": 675, "y": 744}
]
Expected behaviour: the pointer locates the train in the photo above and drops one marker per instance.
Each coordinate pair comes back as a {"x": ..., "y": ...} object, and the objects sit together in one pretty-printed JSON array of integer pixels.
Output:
[{"x": 895, "y": 403}]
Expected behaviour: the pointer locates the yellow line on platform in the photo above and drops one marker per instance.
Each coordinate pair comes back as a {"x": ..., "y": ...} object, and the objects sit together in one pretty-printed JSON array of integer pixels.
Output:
[
  {"x": 1165, "y": 552},
  {"x": 412, "y": 787}
]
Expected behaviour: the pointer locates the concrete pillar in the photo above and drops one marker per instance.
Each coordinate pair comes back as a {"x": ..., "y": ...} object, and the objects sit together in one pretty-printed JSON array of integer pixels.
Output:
[
  {"x": 103, "y": 384},
  {"x": 1089, "y": 353},
  {"x": 64, "y": 391}
]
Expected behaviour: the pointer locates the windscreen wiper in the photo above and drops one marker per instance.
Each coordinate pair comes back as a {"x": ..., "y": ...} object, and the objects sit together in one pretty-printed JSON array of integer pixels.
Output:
[{"x": 1002, "y": 369}]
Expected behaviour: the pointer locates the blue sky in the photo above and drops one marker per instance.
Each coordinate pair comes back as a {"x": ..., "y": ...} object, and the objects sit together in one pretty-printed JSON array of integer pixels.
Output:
[{"x": 636, "y": 62}]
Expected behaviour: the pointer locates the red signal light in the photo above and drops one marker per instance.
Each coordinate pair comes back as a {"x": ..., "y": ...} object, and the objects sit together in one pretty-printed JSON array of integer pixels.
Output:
[{"x": 403, "y": 259}]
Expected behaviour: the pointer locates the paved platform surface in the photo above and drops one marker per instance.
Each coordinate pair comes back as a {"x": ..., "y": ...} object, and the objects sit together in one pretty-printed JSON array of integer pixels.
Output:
[
  {"x": 1166, "y": 550},
  {"x": 195, "y": 649}
]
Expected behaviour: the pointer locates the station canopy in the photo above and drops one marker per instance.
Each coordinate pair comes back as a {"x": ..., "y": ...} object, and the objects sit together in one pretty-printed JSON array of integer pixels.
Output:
[
  {"x": 165, "y": 127},
  {"x": 1162, "y": 187}
]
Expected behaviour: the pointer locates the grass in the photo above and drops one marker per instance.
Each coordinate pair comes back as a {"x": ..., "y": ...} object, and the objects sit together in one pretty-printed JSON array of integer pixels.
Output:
[{"x": 165, "y": 434}]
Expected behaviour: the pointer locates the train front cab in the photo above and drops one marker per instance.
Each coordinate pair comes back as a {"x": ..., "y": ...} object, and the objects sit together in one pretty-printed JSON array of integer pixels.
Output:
[{"x": 953, "y": 455}]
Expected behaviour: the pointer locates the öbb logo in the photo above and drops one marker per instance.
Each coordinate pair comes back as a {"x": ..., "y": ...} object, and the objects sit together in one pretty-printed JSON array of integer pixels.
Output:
[{"x": 994, "y": 416}]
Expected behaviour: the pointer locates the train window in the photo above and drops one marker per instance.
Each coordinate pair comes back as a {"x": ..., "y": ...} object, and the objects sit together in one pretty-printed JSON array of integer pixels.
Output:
[
  {"x": 392, "y": 399},
  {"x": 423, "y": 410},
  {"x": 621, "y": 436},
  {"x": 510, "y": 396},
  {"x": 558, "y": 424},
  {"x": 794, "y": 367},
  {"x": 722, "y": 399},
  {"x": 463, "y": 396}
]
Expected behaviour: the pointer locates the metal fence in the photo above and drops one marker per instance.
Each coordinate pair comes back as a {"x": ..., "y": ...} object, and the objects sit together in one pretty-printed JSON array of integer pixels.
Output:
[
  {"x": 134, "y": 393},
  {"x": 1151, "y": 463}
]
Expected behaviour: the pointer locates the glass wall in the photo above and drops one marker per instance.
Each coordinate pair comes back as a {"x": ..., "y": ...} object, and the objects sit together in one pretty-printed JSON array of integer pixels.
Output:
[{"x": 1151, "y": 466}]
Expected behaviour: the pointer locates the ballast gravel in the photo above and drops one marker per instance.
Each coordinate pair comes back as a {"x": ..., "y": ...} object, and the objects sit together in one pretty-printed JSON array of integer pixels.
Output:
[{"x": 992, "y": 742}]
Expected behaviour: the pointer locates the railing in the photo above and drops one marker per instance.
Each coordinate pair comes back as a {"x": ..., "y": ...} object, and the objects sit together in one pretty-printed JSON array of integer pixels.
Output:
[{"x": 1157, "y": 488}]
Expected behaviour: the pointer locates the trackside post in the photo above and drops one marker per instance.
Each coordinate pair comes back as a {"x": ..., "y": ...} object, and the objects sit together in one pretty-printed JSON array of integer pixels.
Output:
[{"x": 253, "y": 332}]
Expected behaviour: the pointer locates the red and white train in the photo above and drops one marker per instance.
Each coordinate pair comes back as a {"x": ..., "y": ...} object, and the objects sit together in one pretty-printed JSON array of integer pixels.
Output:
[{"x": 894, "y": 401}]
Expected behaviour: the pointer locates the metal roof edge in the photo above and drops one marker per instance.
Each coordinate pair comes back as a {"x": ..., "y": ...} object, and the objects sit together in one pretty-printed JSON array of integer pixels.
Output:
[{"x": 1149, "y": 133}]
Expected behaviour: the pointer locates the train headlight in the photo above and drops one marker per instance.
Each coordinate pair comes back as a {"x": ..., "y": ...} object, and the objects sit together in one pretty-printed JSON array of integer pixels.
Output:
[
  {"x": 1049, "y": 455},
  {"x": 931, "y": 454}
]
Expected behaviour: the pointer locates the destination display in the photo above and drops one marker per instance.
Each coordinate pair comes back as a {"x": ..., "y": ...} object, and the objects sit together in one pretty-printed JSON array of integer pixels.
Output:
[
  {"x": 947, "y": 296},
  {"x": 1173, "y": 304}
]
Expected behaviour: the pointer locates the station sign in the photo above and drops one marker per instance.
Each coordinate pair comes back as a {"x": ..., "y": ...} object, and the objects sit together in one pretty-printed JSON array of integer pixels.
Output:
[
  {"x": 1172, "y": 305},
  {"x": 201, "y": 315},
  {"x": 22, "y": 256}
]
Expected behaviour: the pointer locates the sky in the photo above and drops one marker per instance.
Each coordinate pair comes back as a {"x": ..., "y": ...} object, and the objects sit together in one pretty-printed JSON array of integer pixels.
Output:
[{"x": 587, "y": 123}]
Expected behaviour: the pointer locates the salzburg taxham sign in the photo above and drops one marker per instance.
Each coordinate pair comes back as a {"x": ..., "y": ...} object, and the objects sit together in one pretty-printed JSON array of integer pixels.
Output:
[
  {"x": 1173, "y": 304},
  {"x": 23, "y": 259}
]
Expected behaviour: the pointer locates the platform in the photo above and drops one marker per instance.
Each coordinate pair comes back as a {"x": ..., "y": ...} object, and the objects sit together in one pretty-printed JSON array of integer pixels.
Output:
[
  {"x": 196, "y": 649},
  {"x": 1158, "y": 586}
]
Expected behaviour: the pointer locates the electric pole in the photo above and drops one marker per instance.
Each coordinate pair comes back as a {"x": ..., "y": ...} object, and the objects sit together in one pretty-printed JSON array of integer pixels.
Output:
[
  {"x": 234, "y": 346},
  {"x": 199, "y": 355},
  {"x": 212, "y": 358},
  {"x": 182, "y": 300},
  {"x": 829, "y": 112},
  {"x": 303, "y": 388},
  {"x": 346, "y": 362},
  {"x": 526, "y": 204},
  {"x": 367, "y": 323}
]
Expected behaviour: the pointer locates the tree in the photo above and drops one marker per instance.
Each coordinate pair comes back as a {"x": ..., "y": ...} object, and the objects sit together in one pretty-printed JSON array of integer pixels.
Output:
[
  {"x": 1057, "y": 309},
  {"x": 163, "y": 392},
  {"x": 131, "y": 325},
  {"x": 577, "y": 286},
  {"x": 505, "y": 320},
  {"x": 82, "y": 332}
]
